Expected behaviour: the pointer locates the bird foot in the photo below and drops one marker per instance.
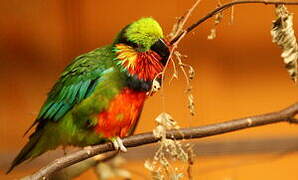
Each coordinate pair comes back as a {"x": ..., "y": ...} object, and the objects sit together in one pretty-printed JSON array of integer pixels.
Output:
[{"x": 118, "y": 144}]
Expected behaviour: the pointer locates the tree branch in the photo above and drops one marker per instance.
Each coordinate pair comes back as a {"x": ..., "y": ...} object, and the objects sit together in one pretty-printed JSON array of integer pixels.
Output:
[
  {"x": 224, "y": 7},
  {"x": 285, "y": 115}
]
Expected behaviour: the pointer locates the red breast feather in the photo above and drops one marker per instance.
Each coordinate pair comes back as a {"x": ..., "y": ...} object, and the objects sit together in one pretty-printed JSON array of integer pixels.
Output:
[{"x": 122, "y": 113}]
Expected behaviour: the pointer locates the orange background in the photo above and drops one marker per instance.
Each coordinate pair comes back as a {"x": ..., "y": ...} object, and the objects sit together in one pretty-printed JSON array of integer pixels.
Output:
[{"x": 240, "y": 73}]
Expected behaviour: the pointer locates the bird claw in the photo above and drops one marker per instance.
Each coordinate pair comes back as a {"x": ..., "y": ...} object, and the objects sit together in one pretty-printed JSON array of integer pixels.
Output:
[{"x": 118, "y": 144}]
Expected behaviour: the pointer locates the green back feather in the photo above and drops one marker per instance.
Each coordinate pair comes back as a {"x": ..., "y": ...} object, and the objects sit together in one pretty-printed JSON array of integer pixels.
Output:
[
  {"x": 76, "y": 83},
  {"x": 85, "y": 87}
]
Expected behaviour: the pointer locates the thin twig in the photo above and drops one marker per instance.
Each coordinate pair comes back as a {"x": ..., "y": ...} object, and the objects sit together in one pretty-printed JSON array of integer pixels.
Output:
[
  {"x": 285, "y": 115},
  {"x": 191, "y": 156},
  {"x": 178, "y": 27},
  {"x": 224, "y": 7},
  {"x": 175, "y": 73},
  {"x": 182, "y": 65}
]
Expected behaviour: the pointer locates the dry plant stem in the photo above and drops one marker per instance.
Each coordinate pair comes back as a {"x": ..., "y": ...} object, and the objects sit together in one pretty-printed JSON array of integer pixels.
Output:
[
  {"x": 190, "y": 154},
  {"x": 224, "y": 7},
  {"x": 175, "y": 33},
  {"x": 174, "y": 46},
  {"x": 285, "y": 115},
  {"x": 183, "y": 19},
  {"x": 175, "y": 73},
  {"x": 182, "y": 65}
]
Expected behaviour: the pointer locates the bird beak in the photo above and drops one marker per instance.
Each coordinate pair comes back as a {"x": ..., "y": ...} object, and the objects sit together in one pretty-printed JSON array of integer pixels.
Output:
[{"x": 161, "y": 48}]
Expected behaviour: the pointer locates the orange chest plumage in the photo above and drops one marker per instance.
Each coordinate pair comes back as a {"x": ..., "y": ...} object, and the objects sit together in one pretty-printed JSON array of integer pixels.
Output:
[{"x": 122, "y": 114}]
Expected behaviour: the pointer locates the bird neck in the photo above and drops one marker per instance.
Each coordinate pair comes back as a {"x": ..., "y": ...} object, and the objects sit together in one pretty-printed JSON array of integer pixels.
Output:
[{"x": 145, "y": 66}]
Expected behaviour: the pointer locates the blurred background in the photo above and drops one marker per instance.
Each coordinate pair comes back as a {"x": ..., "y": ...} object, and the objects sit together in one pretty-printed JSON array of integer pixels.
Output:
[{"x": 239, "y": 73}]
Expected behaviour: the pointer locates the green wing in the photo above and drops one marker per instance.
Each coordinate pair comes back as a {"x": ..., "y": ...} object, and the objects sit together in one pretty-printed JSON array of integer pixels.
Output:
[{"x": 76, "y": 83}]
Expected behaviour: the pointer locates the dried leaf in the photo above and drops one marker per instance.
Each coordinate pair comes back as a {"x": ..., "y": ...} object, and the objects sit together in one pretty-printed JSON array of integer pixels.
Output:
[
  {"x": 166, "y": 120},
  {"x": 191, "y": 104},
  {"x": 217, "y": 20},
  {"x": 169, "y": 150},
  {"x": 283, "y": 35},
  {"x": 212, "y": 34},
  {"x": 159, "y": 131},
  {"x": 189, "y": 77},
  {"x": 191, "y": 72}
]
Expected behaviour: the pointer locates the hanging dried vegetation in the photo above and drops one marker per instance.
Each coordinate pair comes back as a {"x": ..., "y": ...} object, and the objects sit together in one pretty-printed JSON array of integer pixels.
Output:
[{"x": 283, "y": 35}]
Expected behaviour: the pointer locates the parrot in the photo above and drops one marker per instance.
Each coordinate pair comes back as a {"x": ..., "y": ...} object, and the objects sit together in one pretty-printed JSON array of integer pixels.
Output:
[{"x": 100, "y": 95}]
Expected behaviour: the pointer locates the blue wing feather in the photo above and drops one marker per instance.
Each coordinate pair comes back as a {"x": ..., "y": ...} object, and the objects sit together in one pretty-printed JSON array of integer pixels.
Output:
[{"x": 83, "y": 89}]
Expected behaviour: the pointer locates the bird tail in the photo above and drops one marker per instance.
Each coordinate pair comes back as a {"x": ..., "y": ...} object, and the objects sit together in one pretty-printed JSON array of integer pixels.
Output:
[{"x": 27, "y": 152}]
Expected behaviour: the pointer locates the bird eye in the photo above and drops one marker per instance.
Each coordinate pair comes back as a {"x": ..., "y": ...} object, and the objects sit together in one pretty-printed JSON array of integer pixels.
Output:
[
  {"x": 132, "y": 44},
  {"x": 124, "y": 40}
]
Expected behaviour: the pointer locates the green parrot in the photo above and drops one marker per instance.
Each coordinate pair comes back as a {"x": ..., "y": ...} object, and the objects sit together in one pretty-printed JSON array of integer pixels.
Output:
[{"x": 99, "y": 97}]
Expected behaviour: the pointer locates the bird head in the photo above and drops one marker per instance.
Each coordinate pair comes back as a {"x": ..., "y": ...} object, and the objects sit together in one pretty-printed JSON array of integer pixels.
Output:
[{"x": 141, "y": 49}]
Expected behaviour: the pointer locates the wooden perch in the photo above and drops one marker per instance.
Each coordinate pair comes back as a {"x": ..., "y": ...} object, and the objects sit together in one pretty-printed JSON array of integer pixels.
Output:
[{"x": 285, "y": 115}]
